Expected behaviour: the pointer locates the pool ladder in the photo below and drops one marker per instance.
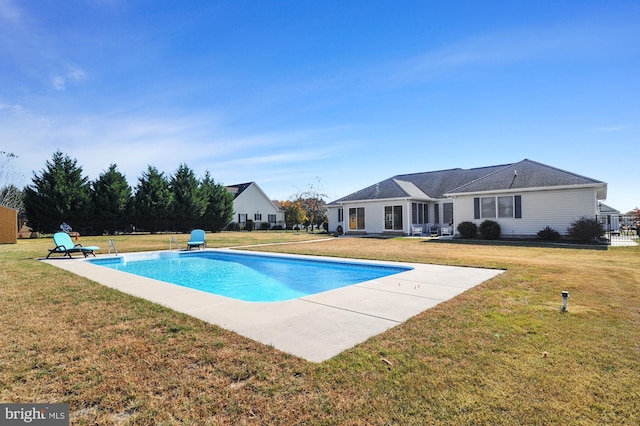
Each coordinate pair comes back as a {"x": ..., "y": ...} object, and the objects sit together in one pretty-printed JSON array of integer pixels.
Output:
[
  {"x": 112, "y": 244},
  {"x": 171, "y": 241}
]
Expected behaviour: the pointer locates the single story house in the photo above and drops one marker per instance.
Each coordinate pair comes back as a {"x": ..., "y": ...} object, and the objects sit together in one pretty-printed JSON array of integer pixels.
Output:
[
  {"x": 251, "y": 203},
  {"x": 523, "y": 197}
]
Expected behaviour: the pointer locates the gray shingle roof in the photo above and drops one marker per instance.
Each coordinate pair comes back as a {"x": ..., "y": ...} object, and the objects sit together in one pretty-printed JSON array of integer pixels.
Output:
[
  {"x": 238, "y": 189},
  {"x": 521, "y": 175}
]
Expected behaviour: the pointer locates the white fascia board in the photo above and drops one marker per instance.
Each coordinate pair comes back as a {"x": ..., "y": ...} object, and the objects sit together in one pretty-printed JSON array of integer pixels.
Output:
[
  {"x": 598, "y": 187},
  {"x": 341, "y": 203}
]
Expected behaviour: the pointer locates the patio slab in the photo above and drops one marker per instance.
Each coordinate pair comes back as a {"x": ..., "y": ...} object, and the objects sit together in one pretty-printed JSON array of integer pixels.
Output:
[{"x": 315, "y": 327}]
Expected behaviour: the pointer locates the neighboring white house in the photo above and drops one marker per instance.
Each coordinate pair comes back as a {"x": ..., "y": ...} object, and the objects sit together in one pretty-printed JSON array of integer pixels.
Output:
[
  {"x": 609, "y": 218},
  {"x": 251, "y": 203},
  {"x": 522, "y": 197}
]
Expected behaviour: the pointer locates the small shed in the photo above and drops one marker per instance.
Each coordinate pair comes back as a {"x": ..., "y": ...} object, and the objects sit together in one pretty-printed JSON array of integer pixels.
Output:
[{"x": 8, "y": 225}]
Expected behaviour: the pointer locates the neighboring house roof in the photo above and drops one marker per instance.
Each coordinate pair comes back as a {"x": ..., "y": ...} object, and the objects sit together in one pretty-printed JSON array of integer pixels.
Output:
[
  {"x": 604, "y": 209},
  {"x": 525, "y": 174},
  {"x": 238, "y": 189}
]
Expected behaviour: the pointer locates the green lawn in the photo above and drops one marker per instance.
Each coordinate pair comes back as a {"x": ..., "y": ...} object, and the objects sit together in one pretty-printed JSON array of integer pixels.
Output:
[{"x": 500, "y": 353}]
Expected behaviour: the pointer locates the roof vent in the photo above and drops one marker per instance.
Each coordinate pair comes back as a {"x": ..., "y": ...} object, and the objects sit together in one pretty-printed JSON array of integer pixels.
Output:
[{"x": 515, "y": 172}]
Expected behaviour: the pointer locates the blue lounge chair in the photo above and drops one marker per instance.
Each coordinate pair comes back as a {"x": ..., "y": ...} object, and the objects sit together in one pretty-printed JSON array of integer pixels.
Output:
[
  {"x": 65, "y": 246},
  {"x": 197, "y": 239}
]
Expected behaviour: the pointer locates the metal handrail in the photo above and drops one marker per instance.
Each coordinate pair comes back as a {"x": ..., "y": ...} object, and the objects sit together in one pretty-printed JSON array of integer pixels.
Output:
[
  {"x": 112, "y": 244},
  {"x": 173, "y": 240}
]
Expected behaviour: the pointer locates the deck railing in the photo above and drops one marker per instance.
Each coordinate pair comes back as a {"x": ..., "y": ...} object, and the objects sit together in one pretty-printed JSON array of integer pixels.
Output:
[{"x": 620, "y": 229}]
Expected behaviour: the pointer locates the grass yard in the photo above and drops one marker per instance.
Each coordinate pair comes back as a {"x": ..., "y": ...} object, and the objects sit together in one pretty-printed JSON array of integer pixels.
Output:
[{"x": 500, "y": 353}]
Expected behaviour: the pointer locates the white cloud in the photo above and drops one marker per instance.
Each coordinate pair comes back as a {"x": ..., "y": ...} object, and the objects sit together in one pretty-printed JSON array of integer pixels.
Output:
[
  {"x": 6, "y": 107},
  {"x": 9, "y": 11},
  {"x": 515, "y": 46},
  {"x": 58, "y": 82},
  {"x": 280, "y": 160},
  {"x": 77, "y": 74},
  {"x": 608, "y": 129}
]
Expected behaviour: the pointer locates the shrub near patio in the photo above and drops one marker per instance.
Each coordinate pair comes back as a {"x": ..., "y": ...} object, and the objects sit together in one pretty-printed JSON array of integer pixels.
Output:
[{"x": 500, "y": 353}]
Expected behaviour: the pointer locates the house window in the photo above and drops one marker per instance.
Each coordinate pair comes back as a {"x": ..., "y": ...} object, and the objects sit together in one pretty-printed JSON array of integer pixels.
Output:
[
  {"x": 356, "y": 218},
  {"x": 393, "y": 218},
  {"x": 340, "y": 215},
  {"x": 419, "y": 213},
  {"x": 272, "y": 218},
  {"x": 447, "y": 213},
  {"x": 242, "y": 219},
  {"x": 488, "y": 206},
  {"x": 508, "y": 206},
  {"x": 505, "y": 206},
  {"x": 258, "y": 216},
  {"x": 436, "y": 213}
]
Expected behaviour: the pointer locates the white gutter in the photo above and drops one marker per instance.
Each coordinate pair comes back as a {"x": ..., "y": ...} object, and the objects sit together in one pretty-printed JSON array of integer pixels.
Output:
[{"x": 516, "y": 190}]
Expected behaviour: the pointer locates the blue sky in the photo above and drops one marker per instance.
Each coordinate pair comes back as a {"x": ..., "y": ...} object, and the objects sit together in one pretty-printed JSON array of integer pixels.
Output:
[{"x": 335, "y": 94}]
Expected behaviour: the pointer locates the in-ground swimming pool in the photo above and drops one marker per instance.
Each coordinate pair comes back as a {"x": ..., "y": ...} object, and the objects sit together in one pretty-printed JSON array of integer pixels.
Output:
[{"x": 249, "y": 277}]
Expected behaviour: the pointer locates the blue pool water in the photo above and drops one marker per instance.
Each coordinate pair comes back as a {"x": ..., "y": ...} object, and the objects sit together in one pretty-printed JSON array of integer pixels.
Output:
[{"x": 249, "y": 277}]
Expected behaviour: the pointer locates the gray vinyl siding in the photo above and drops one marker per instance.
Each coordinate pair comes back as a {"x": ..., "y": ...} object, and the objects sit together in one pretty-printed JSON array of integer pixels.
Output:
[
  {"x": 332, "y": 216},
  {"x": 554, "y": 208}
]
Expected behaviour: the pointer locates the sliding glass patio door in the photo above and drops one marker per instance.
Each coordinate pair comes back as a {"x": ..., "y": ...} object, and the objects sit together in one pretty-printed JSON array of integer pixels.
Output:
[{"x": 356, "y": 219}]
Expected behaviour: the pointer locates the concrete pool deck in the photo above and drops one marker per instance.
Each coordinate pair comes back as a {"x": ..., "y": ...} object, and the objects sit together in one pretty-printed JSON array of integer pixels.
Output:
[{"x": 315, "y": 327}]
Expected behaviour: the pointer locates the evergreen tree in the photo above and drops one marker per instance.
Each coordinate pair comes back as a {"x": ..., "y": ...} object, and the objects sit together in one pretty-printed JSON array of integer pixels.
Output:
[
  {"x": 111, "y": 200},
  {"x": 152, "y": 200},
  {"x": 219, "y": 204},
  {"x": 59, "y": 194},
  {"x": 188, "y": 204}
]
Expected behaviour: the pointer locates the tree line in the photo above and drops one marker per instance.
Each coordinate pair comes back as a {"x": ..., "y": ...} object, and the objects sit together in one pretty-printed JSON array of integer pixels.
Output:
[{"x": 61, "y": 193}]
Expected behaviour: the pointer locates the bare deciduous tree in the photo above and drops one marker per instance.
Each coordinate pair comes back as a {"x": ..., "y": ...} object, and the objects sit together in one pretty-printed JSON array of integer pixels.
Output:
[
  {"x": 313, "y": 204},
  {"x": 10, "y": 195}
]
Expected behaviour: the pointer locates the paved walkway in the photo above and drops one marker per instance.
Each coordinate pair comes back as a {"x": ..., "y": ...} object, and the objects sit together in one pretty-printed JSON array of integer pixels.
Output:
[
  {"x": 624, "y": 242},
  {"x": 315, "y": 327}
]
